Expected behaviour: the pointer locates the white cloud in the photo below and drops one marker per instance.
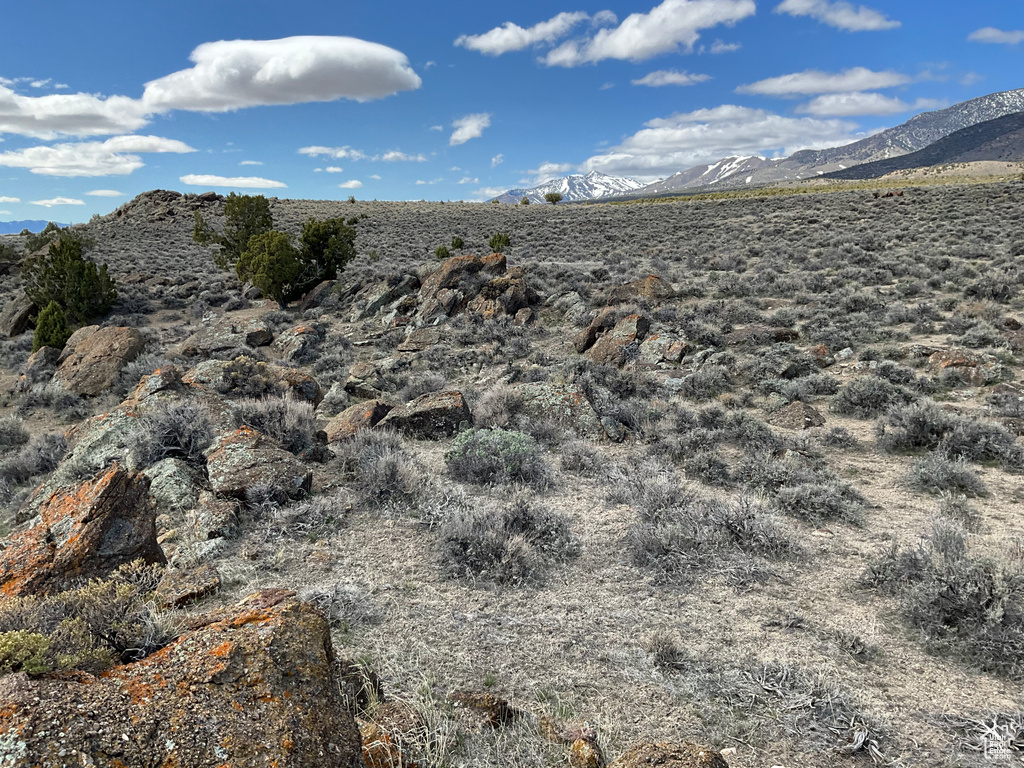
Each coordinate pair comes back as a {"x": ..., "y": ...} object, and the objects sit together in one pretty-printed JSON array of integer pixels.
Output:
[
  {"x": 722, "y": 47},
  {"x": 814, "y": 81},
  {"x": 375, "y": 177},
  {"x": 512, "y": 37},
  {"x": 351, "y": 184},
  {"x": 671, "y": 144},
  {"x": 238, "y": 182},
  {"x": 58, "y": 201},
  {"x": 231, "y": 74},
  {"x": 114, "y": 157},
  {"x": 105, "y": 193},
  {"x": 488, "y": 193},
  {"x": 421, "y": 182},
  {"x": 394, "y": 156},
  {"x": 332, "y": 169},
  {"x": 40, "y": 83},
  {"x": 79, "y": 114},
  {"x": 468, "y": 180},
  {"x": 9, "y": 199},
  {"x": 437, "y": 128},
  {"x": 469, "y": 127},
  {"x": 672, "y": 25},
  {"x": 6, "y": 213},
  {"x": 854, "y": 104},
  {"x": 251, "y": 162},
  {"x": 497, "y": 160},
  {"x": 841, "y": 15},
  {"x": 549, "y": 171},
  {"x": 993, "y": 35},
  {"x": 670, "y": 77}
]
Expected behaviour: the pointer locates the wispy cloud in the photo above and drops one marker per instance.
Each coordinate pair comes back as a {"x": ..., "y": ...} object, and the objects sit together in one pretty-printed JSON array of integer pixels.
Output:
[
  {"x": 351, "y": 184},
  {"x": 855, "y": 104},
  {"x": 348, "y": 153},
  {"x": 814, "y": 81},
  {"x": 9, "y": 199},
  {"x": 104, "y": 193},
  {"x": 512, "y": 37},
  {"x": 251, "y": 162},
  {"x": 58, "y": 201},
  {"x": 670, "y": 77},
  {"x": 118, "y": 156},
  {"x": 999, "y": 36},
  {"x": 722, "y": 47},
  {"x": 841, "y": 15},
  {"x": 469, "y": 127},
  {"x": 237, "y": 182},
  {"x": 497, "y": 160}
]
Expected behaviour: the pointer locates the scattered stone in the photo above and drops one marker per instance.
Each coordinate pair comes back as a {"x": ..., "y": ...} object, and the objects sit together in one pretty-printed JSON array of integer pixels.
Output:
[
  {"x": 252, "y": 685},
  {"x": 844, "y": 354},
  {"x": 420, "y": 339},
  {"x": 365, "y": 381},
  {"x": 493, "y": 710},
  {"x": 39, "y": 368},
  {"x": 213, "y": 518},
  {"x": 524, "y": 316},
  {"x": 178, "y": 588},
  {"x": 670, "y": 755},
  {"x": 317, "y": 296},
  {"x": 90, "y": 366},
  {"x": 295, "y": 343},
  {"x": 385, "y": 293},
  {"x": 237, "y": 378},
  {"x": 657, "y": 350},
  {"x": 16, "y": 316},
  {"x": 355, "y": 418},
  {"x": 453, "y": 272},
  {"x": 248, "y": 459},
  {"x": 83, "y": 533},
  {"x": 797, "y": 415},
  {"x": 431, "y": 416}
]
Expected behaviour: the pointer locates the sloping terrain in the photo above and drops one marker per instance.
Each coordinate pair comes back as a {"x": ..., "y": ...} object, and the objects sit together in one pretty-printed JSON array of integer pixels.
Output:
[
  {"x": 745, "y": 473},
  {"x": 575, "y": 188},
  {"x": 999, "y": 140}
]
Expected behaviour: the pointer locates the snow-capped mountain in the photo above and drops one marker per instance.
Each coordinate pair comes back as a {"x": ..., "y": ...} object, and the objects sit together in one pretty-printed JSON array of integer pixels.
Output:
[
  {"x": 706, "y": 175},
  {"x": 575, "y": 188}
]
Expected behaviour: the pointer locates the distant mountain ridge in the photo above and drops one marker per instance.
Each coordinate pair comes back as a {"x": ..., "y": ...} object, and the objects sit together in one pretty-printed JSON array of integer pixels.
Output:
[
  {"x": 32, "y": 225},
  {"x": 575, "y": 188},
  {"x": 1001, "y": 139},
  {"x": 706, "y": 175}
]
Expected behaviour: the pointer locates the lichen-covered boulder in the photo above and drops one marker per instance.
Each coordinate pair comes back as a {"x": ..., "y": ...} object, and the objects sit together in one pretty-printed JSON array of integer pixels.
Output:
[
  {"x": 977, "y": 368},
  {"x": 251, "y": 685},
  {"x": 245, "y": 377},
  {"x": 91, "y": 363},
  {"x": 355, "y": 418},
  {"x": 432, "y": 416},
  {"x": 248, "y": 459},
  {"x": 83, "y": 533},
  {"x": 456, "y": 271},
  {"x": 503, "y": 296},
  {"x": 564, "y": 404},
  {"x": 16, "y": 317},
  {"x": 681, "y": 754},
  {"x": 295, "y": 343}
]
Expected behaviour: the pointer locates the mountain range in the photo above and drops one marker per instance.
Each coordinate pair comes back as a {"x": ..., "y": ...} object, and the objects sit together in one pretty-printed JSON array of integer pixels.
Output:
[
  {"x": 14, "y": 227},
  {"x": 975, "y": 130}
]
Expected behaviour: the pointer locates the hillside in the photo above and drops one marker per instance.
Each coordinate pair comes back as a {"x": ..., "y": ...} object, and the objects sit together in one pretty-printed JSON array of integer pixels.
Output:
[
  {"x": 744, "y": 473},
  {"x": 1000, "y": 140},
  {"x": 574, "y": 189}
]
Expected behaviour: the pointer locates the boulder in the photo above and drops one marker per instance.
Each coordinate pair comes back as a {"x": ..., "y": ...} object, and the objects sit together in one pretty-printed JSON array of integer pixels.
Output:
[
  {"x": 253, "y": 685},
  {"x": 16, "y": 317},
  {"x": 364, "y": 380},
  {"x": 385, "y": 293},
  {"x": 657, "y": 350},
  {"x": 504, "y": 296},
  {"x": 490, "y": 708},
  {"x": 173, "y": 484},
  {"x": 652, "y": 288},
  {"x": 431, "y": 416},
  {"x": 212, "y": 518},
  {"x": 226, "y": 335},
  {"x": 585, "y": 753},
  {"x": 295, "y": 343},
  {"x": 601, "y": 324},
  {"x": 420, "y": 339},
  {"x": 565, "y": 404},
  {"x": 978, "y": 368},
  {"x": 456, "y": 271},
  {"x": 248, "y": 459},
  {"x": 681, "y": 754},
  {"x": 245, "y": 377},
  {"x": 178, "y": 588},
  {"x": 83, "y": 533},
  {"x": 92, "y": 364},
  {"x": 317, "y": 295},
  {"x": 40, "y": 368},
  {"x": 758, "y": 335},
  {"x": 797, "y": 415},
  {"x": 613, "y": 347},
  {"x": 355, "y": 418}
]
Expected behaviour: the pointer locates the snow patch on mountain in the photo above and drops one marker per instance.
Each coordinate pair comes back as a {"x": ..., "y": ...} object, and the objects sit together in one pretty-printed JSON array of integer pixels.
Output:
[{"x": 575, "y": 188}]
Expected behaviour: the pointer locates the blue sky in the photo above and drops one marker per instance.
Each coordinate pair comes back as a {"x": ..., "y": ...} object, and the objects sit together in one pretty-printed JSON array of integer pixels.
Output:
[{"x": 403, "y": 99}]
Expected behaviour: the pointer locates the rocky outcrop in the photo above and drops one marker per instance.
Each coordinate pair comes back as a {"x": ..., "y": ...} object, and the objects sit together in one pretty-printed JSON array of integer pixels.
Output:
[
  {"x": 248, "y": 459},
  {"x": 295, "y": 343},
  {"x": 600, "y": 325},
  {"x": 252, "y": 685},
  {"x": 16, "y": 317},
  {"x": 355, "y": 418},
  {"x": 431, "y": 416},
  {"x": 317, "y": 295},
  {"x": 503, "y": 296},
  {"x": 652, "y": 288},
  {"x": 564, "y": 404},
  {"x": 670, "y": 755},
  {"x": 245, "y": 377},
  {"x": 758, "y": 335},
  {"x": 40, "y": 368},
  {"x": 226, "y": 335},
  {"x": 83, "y": 533},
  {"x": 94, "y": 357},
  {"x": 614, "y": 347}
]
